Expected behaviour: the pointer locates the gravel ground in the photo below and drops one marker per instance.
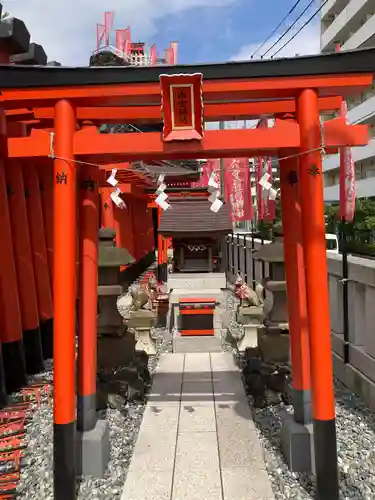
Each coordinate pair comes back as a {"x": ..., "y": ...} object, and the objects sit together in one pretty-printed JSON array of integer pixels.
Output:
[
  {"x": 355, "y": 434},
  {"x": 355, "y": 442},
  {"x": 37, "y": 477},
  {"x": 37, "y": 474}
]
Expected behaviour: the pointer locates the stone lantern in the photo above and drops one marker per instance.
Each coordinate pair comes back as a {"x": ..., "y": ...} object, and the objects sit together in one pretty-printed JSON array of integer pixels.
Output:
[
  {"x": 274, "y": 341},
  {"x": 115, "y": 343}
]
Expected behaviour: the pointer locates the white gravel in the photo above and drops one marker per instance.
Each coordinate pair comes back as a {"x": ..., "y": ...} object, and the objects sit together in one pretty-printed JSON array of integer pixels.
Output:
[
  {"x": 355, "y": 423},
  {"x": 37, "y": 473},
  {"x": 355, "y": 434}
]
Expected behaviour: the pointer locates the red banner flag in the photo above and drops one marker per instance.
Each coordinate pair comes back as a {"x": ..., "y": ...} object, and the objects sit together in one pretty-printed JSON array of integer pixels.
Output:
[
  {"x": 347, "y": 176},
  {"x": 238, "y": 188},
  {"x": 206, "y": 172},
  {"x": 263, "y": 166},
  {"x": 213, "y": 165},
  {"x": 108, "y": 23},
  {"x": 258, "y": 165},
  {"x": 100, "y": 31},
  {"x": 268, "y": 204},
  {"x": 122, "y": 39},
  {"x": 153, "y": 55},
  {"x": 174, "y": 52},
  {"x": 171, "y": 55}
]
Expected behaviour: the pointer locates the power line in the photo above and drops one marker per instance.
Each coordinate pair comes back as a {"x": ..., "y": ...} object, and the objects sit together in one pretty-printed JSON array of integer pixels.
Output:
[
  {"x": 301, "y": 28},
  {"x": 277, "y": 27},
  {"x": 290, "y": 27}
]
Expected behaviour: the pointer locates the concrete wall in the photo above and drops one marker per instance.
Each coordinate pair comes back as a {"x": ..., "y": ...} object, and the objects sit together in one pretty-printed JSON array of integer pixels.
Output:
[{"x": 359, "y": 374}]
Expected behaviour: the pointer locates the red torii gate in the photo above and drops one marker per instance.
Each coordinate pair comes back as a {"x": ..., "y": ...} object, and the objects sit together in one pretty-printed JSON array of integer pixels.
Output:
[{"x": 305, "y": 83}]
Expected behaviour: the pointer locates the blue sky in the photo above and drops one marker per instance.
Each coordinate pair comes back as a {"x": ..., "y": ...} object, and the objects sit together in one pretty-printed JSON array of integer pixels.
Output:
[
  {"x": 218, "y": 33},
  {"x": 207, "y": 30}
]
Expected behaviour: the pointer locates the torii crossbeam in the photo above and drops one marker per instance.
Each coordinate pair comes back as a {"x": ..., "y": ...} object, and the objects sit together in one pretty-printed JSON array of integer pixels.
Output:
[{"x": 301, "y": 86}]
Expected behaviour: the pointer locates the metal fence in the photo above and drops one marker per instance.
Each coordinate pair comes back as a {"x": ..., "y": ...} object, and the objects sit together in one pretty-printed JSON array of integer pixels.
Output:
[{"x": 239, "y": 258}]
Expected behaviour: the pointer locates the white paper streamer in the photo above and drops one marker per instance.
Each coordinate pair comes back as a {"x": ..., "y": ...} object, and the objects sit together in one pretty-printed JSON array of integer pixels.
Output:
[
  {"x": 264, "y": 180},
  {"x": 214, "y": 196},
  {"x": 112, "y": 178},
  {"x": 211, "y": 181},
  {"x": 164, "y": 205},
  {"x": 216, "y": 205},
  {"x": 161, "y": 188},
  {"x": 160, "y": 200},
  {"x": 272, "y": 195},
  {"x": 160, "y": 179},
  {"x": 115, "y": 197},
  {"x": 162, "y": 197}
]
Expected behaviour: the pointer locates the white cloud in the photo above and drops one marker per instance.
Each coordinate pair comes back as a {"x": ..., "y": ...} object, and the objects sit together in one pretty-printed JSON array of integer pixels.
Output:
[
  {"x": 67, "y": 28},
  {"x": 306, "y": 42}
]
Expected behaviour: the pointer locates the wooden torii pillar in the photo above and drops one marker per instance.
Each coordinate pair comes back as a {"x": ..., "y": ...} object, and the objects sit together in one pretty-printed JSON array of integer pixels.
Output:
[
  {"x": 127, "y": 147},
  {"x": 64, "y": 294},
  {"x": 317, "y": 295}
]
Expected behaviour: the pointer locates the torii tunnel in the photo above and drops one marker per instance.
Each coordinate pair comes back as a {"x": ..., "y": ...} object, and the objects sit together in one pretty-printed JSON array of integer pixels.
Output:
[{"x": 70, "y": 152}]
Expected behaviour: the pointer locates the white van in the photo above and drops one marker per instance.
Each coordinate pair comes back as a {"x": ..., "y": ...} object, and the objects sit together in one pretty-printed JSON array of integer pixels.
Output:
[{"x": 332, "y": 243}]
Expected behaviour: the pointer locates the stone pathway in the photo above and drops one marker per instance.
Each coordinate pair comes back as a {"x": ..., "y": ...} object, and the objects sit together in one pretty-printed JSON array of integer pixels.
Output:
[{"x": 197, "y": 440}]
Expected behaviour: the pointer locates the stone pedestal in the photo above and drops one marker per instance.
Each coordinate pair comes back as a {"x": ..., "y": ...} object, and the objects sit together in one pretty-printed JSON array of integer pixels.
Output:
[
  {"x": 93, "y": 450},
  {"x": 297, "y": 444},
  {"x": 274, "y": 346},
  {"x": 144, "y": 341},
  {"x": 274, "y": 342},
  {"x": 251, "y": 319},
  {"x": 142, "y": 321}
]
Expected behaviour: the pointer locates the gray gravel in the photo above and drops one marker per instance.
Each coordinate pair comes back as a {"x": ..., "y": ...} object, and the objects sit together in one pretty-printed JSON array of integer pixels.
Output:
[
  {"x": 37, "y": 478},
  {"x": 355, "y": 433},
  {"x": 355, "y": 442},
  {"x": 37, "y": 474}
]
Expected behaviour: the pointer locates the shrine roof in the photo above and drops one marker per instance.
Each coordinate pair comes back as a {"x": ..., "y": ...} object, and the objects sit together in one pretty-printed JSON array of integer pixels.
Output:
[
  {"x": 192, "y": 216},
  {"x": 174, "y": 170},
  {"x": 347, "y": 62}
]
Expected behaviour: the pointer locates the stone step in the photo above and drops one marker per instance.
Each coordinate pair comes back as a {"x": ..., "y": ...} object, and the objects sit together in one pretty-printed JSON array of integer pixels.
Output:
[{"x": 196, "y": 344}]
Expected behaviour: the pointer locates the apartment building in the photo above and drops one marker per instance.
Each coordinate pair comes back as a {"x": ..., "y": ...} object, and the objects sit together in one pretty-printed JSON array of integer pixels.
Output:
[{"x": 351, "y": 24}]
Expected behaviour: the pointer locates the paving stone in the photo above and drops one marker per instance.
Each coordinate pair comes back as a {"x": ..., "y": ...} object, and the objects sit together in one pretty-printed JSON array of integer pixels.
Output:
[
  {"x": 171, "y": 363},
  {"x": 239, "y": 446},
  {"x": 228, "y": 383},
  {"x": 196, "y": 344},
  {"x": 246, "y": 483},
  {"x": 153, "y": 484},
  {"x": 196, "y": 451},
  {"x": 197, "y": 472},
  {"x": 197, "y": 362},
  {"x": 197, "y": 391},
  {"x": 197, "y": 418},
  {"x": 154, "y": 451},
  {"x": 201, "y": 485},
  {"x": 228, "y": 390},
  {"x": 222, "y": 361},
  {"x": 233, "y": 414},
  {"x": 166, "y": 389},
  {"x": 160, "y": 419}
]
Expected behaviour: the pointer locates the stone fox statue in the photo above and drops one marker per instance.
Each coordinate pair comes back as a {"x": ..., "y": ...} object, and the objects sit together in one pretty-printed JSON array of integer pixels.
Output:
[
  {"x": 248, "y": 296},
  {"x": 140, "y": 298}
]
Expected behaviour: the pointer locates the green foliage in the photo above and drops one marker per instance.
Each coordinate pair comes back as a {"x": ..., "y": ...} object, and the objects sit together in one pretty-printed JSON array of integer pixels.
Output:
[
  {"x": 360, "y": 233},
  {"x": 364, "y": 216}
]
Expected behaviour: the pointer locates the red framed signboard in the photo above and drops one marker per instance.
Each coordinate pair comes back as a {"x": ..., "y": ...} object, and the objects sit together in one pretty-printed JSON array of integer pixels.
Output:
[{"x": 182, "y": 107}]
